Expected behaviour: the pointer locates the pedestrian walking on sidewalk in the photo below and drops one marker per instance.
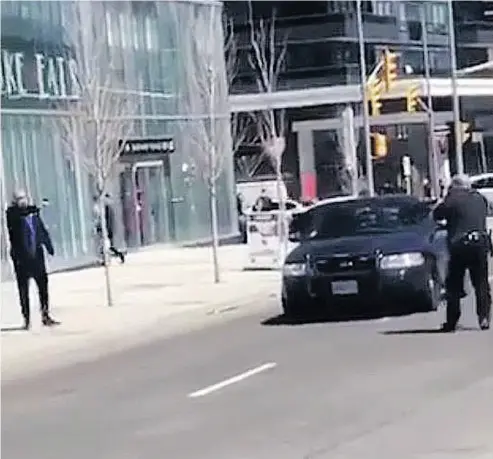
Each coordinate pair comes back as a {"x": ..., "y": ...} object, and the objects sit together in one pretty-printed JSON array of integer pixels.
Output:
[
  {"x": 28, "y": 235},
  {"x": 110, "y": 224},
  {"x": 465, "y": 211}
]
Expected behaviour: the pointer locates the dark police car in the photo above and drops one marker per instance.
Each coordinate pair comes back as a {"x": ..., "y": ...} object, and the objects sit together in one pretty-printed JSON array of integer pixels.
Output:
[{"x": 376, "y": 255}]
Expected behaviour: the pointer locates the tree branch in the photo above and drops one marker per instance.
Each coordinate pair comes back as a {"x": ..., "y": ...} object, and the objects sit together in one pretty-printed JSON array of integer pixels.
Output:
[{"x": 96, "y": 126}]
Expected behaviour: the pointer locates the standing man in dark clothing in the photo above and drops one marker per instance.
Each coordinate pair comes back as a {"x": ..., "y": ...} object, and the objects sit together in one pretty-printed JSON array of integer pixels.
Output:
[
  {"x": 465, "y": 211},
  {"x": 28, "y": 235},
  {"x": 109, "y": 214},
  {"x": 242, "y": 224}
]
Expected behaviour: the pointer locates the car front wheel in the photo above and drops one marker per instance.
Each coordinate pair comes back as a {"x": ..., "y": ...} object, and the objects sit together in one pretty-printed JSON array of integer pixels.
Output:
[
  {"x": 291, "y": 308},
  {"x": 434, "y": 294}
]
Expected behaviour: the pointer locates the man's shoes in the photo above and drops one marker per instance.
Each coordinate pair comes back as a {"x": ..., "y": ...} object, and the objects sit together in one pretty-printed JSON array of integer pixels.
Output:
[
  {"x": 49, "y": 322},
  {"x": 484, "y": 324},
  {"x": 448, "y": 327},
  {"x": 122, "y": 257},
  {"x": 27, "y": 325}
]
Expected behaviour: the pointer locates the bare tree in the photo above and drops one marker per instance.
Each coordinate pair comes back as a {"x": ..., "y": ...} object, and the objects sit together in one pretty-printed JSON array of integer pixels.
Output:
[
  {"x": 267, "y": 58},
  {"x": 99, "y": 119},
  {"x": 204, "y": 101},
  {"x": 239, "y": 124}
]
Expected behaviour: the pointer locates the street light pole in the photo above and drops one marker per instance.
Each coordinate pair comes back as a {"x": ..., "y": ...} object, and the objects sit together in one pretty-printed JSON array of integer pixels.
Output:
[
  {"x": 366, "y": 113},
  {"x": 431, "y": 120},
  {"x": 459, "y": 160}
]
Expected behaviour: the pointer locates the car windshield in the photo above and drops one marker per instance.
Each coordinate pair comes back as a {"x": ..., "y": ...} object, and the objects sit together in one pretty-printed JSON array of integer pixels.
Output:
[{"x": 371, "y": 216}]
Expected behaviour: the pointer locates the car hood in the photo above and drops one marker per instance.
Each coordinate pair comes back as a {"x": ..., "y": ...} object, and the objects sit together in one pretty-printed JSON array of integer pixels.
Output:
[{"x": 397, "y": 242}]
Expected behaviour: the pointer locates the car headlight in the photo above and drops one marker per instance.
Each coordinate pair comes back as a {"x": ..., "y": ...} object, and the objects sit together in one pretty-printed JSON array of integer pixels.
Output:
[
  {"x": 402, "y": 260},
  {"x": 294, "y": 269}
]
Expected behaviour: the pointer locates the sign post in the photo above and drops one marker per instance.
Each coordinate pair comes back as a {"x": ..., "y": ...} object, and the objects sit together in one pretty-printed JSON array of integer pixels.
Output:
[{"x": 264, "y": 239}]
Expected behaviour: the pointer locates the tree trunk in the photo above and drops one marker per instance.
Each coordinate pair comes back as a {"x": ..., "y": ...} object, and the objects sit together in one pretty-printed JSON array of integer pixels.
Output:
[
  {"x": 214, "y": 230},
  {"x": 282, "y": 220},
  {"x": 105, "y": 244}
]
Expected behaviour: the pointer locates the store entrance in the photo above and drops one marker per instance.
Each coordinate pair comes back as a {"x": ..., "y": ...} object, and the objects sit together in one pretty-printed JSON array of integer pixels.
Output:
[{"x": 144, "y": 190}]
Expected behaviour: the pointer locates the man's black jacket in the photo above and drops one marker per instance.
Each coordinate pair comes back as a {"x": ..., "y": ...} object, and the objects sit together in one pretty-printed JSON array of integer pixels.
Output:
[
  {"x": 465, "y": 211},
  {"x": 19, "y": 251}
]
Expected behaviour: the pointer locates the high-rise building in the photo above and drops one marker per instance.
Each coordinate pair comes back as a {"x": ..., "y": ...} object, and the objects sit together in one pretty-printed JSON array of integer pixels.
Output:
[
  {"x": 159, "y": 196},
  {"x": 321, "y": 71}
]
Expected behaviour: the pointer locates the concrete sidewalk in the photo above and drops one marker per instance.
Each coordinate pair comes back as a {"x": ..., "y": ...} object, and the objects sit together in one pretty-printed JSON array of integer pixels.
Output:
[{"x": 155, "y": 292}]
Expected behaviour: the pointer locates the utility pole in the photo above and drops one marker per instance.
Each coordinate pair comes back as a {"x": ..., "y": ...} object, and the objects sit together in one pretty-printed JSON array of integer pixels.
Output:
[
  {"x": 459, "y": 160},
  {"x": 366, "y": 113},
  {"x": 431, "y": 114}
]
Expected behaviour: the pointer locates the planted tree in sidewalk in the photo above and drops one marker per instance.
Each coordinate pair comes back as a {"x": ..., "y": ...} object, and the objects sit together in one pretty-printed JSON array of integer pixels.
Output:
[
  {"x": 267, "y": 58},
  {"x": 204, "y": 102},
  {"x": 240, "y": 124},
  {"x": 97, "y": 123}
]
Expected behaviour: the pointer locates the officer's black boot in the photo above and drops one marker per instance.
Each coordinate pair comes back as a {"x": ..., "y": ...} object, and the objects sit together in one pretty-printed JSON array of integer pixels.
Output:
[
  {"x": 453, "y": 313},
  {"x": 485, "y": 322}
]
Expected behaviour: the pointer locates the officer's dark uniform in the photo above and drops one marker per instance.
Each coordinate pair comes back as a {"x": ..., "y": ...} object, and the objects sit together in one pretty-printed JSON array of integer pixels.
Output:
[{"x": 465, "y": 211}]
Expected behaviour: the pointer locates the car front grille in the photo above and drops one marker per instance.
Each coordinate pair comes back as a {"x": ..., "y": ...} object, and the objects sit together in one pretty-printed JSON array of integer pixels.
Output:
[{"x": 344, "y": 264}]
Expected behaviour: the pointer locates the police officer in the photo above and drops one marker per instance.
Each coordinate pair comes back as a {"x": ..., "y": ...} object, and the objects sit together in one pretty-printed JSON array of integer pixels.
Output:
[{"x": 465, "y": 211}]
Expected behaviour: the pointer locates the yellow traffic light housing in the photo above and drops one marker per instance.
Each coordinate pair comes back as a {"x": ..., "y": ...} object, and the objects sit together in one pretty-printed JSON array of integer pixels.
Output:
[
  {"x": 390, "y": 69},
  {"x": 380, "y": 146},
  {"x": 375, "y": 90},
  {"x": 412, "y": 99}
]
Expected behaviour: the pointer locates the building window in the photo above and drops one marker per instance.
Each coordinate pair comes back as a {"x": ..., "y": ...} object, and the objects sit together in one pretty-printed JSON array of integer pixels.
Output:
[
  {"x": 296, "y": 9},
  {"x": 135, "y": 31},
  {"x": 436, "y": 17},
  {"x": 124, "y": 29},
  {"x": 440, "y": 62},
  {"x": 340, "y": 7},
  {"x": 150, "y": 27},
  {"x": 109, "y": 29},
  {"x": 382, "y": 8}
]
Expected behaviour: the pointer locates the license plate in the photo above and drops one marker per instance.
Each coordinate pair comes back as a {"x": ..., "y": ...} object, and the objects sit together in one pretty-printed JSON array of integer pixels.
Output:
[{"x": 349, "y": 287}]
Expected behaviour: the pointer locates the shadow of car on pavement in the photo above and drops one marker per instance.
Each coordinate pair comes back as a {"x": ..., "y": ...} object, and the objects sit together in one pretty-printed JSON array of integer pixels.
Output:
[{"x": 341, "y": 317}]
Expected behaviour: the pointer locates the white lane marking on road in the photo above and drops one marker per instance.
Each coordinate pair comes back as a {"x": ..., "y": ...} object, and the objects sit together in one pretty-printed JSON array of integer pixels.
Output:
[{"x": 235, "y": 379}]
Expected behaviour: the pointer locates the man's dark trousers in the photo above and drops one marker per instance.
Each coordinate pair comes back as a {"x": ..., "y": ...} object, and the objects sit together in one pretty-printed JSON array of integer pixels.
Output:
[
  {"x": 24, "y": 271},
  {"x": 472, "y": 257}
]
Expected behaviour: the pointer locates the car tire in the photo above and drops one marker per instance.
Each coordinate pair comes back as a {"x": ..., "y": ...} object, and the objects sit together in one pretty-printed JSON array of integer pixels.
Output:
[
  {"x": 291, "y": 309},
  {"x": 434, "y": 294}
]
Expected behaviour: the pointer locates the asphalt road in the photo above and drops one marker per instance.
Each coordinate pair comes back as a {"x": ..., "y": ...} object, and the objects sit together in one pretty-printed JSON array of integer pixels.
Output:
[{"x": 377, "y": 389}]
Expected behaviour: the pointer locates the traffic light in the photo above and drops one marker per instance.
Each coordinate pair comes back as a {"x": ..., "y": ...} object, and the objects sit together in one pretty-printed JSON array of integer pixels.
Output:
[
  {"x": 389, "y": 68},
  {"x": 379, "y": 145},
  {"x": 412, "y": 99},
  {"x": 375, "y": 90}
]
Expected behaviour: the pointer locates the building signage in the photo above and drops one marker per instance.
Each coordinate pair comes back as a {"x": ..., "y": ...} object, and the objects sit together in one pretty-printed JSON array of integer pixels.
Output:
[
  {"x": 28, "y": 75},
  {"x": 141, "y": 146}
]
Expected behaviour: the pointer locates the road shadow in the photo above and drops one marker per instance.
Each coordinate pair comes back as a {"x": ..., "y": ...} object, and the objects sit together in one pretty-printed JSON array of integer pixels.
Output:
[
  {"x": 281, "y": 319},
  {"x": 14, "y": 328},
  {"x": 425, "y": 331}
]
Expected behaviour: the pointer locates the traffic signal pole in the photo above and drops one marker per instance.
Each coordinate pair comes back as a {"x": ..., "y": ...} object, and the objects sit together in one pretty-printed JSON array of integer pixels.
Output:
[
  {"x": 459, "y": 160},
  {"x": 366, "y": 113},
  {"x": 433, "y": 163}
]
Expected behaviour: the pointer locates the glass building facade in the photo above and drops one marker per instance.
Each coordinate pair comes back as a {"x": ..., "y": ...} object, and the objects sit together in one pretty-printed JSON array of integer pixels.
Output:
[{"x": 160, "y": 198}]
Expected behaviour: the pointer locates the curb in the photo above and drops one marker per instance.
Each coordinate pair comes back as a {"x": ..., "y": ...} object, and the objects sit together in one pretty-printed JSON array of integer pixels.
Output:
[{"x": 102, "y": 345}]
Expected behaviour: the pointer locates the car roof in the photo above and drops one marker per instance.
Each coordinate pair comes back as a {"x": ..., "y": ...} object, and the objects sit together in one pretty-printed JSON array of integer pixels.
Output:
[
  {"x": 335, "y": 199},
  {"x": 387, "y": 198},
  {"x": 475, "y": 178}
]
